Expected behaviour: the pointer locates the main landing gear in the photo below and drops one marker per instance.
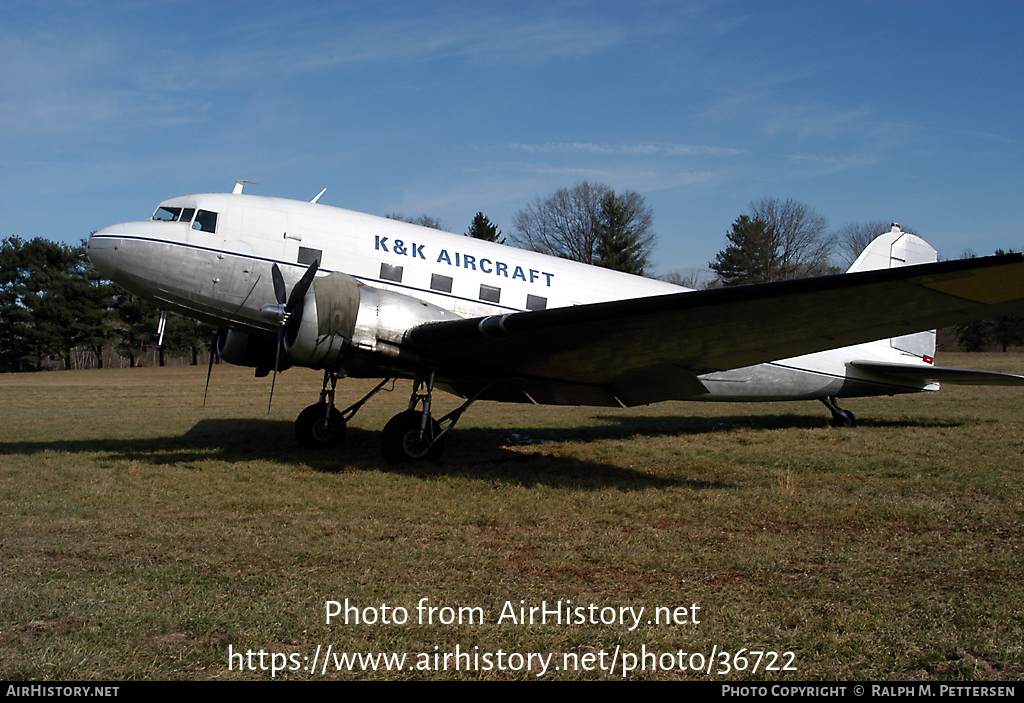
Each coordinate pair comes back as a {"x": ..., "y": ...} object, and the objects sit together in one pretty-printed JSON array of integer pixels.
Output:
[
  {"x": 413, "y": 435},
  {"x": 840, "y": 417},
  {"x": 321, "y": 425}
]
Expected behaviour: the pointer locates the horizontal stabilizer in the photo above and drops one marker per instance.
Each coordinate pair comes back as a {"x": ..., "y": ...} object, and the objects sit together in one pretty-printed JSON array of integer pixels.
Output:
[{"x": 937, "y": 374}]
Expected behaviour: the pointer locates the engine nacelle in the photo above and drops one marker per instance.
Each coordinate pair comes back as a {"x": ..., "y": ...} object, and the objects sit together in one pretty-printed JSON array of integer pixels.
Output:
[
  {"x": 339, "y": 312},
  {"x": 242, "y": 349},
  {"x": 318, "y": 331}
]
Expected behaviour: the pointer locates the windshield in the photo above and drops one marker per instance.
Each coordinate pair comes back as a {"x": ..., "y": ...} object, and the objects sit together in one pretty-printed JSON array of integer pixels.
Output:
[{"x": 167, "y": 214}]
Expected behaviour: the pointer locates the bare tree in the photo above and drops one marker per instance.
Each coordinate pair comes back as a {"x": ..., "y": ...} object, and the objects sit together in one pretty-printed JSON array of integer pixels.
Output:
[
  {"x": 569, "y": 222},
  {"x": 564, "y": 224},
  {"x": 852, "y": 239},
  {"x": 803, "y": 248},
  {"x": 695, "y": 277},
  {"x": 422, "y": 220}
]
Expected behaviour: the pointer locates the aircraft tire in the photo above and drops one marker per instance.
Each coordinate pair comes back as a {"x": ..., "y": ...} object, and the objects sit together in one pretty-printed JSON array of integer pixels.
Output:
[
  {"x": 311, "y": 432},
  {"x": 400, "y": 441},
  {"x": 844, "y": 419}
]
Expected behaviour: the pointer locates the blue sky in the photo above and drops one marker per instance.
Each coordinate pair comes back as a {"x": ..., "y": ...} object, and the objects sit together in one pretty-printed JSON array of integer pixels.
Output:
[{"x": 889, "y": 110}]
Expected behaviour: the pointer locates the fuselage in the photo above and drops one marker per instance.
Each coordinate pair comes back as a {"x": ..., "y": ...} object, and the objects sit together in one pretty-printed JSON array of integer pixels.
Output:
[{"x": 209, "y": 257}]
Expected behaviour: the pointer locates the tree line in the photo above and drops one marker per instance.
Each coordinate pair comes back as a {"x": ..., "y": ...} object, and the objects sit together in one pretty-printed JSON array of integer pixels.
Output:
[
  {"x": 773, "y": 240},
  {"x": 53, "y": 304},
  {"x": 778, "y": 240}
]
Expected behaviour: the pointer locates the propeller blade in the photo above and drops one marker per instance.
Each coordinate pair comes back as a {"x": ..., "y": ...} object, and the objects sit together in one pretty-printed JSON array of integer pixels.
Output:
[
  {"x": 280, "y": 292},
  {"x": 209, "y": 370},
  {"x": 290, "y": 302},
  {"x": 299, "y": 291},
  {"x": 277, "y": 364}
]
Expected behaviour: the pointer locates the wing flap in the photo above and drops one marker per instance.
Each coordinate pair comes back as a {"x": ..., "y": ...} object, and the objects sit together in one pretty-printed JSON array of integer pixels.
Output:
[{"x": 662, "y": 383}]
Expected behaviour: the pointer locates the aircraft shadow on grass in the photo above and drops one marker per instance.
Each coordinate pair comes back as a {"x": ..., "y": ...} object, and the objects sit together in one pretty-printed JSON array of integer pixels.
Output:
[
  {"x": 484, "y": 453},
  {"x": 486, "y": 456},
  {"x": 689, "y": 425}
]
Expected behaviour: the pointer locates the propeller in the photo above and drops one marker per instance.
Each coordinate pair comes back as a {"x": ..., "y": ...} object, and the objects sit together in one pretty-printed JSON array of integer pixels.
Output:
[{"x": 286, "y": 305}]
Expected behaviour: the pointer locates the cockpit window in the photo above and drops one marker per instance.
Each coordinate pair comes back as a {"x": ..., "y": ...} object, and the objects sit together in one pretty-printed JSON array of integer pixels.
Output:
[
  {"x": 205, "y": 221},
  {"x": 167, "y": 214},
  {"x": 187, "y": 213}
]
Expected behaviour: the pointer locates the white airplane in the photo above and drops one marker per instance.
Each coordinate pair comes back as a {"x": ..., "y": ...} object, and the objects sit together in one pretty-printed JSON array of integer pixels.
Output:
[{"x": 298, "y": 283}]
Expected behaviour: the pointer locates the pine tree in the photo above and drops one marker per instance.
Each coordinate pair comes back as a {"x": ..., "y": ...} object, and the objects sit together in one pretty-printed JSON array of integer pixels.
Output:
[
  {"x": 51, "y": 301},
  {"x": 15, "y": 318},
  {"x": 750, "y": 256},
  {"x": 618, "y": 244},
  {"x": 183, "y": 336},
  {"x": 482, "y": 228},
  {"x": 139, "y": 320}
]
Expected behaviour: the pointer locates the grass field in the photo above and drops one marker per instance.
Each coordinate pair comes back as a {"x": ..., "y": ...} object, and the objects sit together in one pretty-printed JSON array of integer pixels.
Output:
[{"x": 142, "y": 535}]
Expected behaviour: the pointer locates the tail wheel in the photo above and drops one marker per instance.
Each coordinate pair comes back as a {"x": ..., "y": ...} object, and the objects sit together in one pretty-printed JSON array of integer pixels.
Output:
[
  {"x": 844, "y": 419},
  {"x": 318, "y": 428},
  {"x": 840, "y": 417},
  {"x": 401, "y": 443}
]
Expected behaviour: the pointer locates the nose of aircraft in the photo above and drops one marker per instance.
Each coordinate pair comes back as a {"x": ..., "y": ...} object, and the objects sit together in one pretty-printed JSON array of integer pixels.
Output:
[{"x": 102, "y": 250}]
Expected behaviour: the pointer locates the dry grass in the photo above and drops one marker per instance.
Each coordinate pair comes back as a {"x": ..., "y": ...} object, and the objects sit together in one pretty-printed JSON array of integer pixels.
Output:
[{"x": 142, "y": 534}]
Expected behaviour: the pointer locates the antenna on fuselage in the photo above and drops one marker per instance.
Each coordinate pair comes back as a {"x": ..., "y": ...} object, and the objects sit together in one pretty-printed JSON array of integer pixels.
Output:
[
  {"x": 318, "y": 195},
  {"x": 240, "y": 184}
]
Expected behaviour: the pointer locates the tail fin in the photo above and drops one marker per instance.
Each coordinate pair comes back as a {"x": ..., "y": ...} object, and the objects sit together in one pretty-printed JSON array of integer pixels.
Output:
[{"x": 890, "y": 250}]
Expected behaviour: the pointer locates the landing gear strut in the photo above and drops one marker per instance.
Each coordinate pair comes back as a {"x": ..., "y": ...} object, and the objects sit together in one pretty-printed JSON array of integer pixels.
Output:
[
  {"x": 840, "y": 417},
  {"x": 321, "y": 426},
  {"x": 414, "y": 435}
]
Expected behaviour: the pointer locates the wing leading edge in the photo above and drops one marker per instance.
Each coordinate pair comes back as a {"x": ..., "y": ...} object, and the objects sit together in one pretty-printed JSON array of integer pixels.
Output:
[{"x": 653, "y": 348}]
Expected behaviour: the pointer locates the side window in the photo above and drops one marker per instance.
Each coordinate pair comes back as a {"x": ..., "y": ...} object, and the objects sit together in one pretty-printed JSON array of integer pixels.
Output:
[
  {"x": 205, "y": 221},
  {"x": 187, "y": 213},
  {"x": 441, "y": 283},
  {"x": 391, "y": 273},
  {"x": 536, "y": 302},
  {"x": 308, "y": 256},
  {"x": 490, "y": 294}
]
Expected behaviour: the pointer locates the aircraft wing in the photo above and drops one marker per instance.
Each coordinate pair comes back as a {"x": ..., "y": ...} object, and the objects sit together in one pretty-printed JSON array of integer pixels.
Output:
[{"x": 642, "y": 350}]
